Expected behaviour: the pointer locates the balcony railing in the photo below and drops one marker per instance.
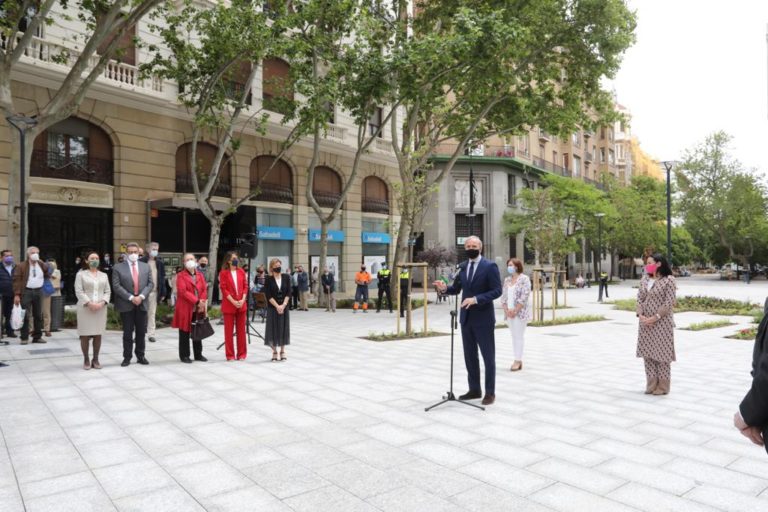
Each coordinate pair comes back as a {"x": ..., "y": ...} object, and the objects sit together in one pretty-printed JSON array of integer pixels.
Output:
[
  {"x": 325, "y": 199},
  {"x": 47, "y": 164},
  {"x": 544, "y": 136},
  {"x": 550, "y": 167},
  {"x": 382, "y": 145},
  {"x": 505, "y": 151},
  {"x": 55, "y": 54},
  {"x": 184, "y": 186},
  {"x": 273, "y": 193},
  {"x": 372, "y": 205},
  {"x": 588, "y": 156},
  {"x": 336, "y": 133},
  {"x": 588, "y": 134}
]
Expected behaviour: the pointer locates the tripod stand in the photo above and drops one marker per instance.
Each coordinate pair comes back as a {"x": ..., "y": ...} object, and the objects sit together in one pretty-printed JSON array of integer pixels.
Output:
[
  {"x": 449, "y": 396},
  {"x": 250, "y": 330}
]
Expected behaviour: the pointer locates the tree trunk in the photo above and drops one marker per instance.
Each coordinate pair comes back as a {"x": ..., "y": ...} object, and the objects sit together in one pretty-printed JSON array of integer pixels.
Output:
[
  {"x": 324, "y": 251},
  {"x": 213, "y": 250}
]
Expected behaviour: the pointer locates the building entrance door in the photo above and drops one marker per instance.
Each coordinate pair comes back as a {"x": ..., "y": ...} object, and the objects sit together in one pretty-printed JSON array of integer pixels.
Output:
[{"x": 66, "y": 232}]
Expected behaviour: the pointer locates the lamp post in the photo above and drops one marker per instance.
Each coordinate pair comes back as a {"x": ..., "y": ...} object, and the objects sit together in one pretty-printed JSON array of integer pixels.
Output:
[
  {"x": 600, "y": 284},
  {"x": 668, "y": 165},
  {"x": 22, "y": 124},
  {"x": 748, "y": 276}
]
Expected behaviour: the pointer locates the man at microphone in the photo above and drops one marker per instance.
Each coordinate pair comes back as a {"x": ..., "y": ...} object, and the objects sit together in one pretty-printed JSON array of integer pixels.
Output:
[{"x": 479, "y": 282}]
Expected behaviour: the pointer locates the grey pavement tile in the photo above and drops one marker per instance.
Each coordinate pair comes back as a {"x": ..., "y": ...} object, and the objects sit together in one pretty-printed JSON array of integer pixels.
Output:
[
  {"x": 247, "y": 453},
  {"x": 34, "y": 433},
  {"x": 726, "y": 499},
  {"x": 169, "y": 499},
  {"x": 377, "y": 453},
  {"x": 328, "y": 499},
  {"x": 10, "y": 499},
  {"x": 717, "y": 476},
  {"x": 443, "y": 453},
  {"x": 586, "y": 456},
  {"x": 521, "y": 436},
  {"x": 654, "y": 500},
  {"x": 163, "y": 438},
  {"x": 587, "y": 479},
  {"x": 251, "y": 498},
  {"x": 285, "y": 478},
  {"x": 649, "y": 476},
  {"x": 190, "y": 418},
  {"x": 639, "y": 454},
  {"x": 565, "y": 498},
  {"x": 312, "y": 454},
  {"x": 182, "y": 459},
  {"x": 361, "y": 479},
  {"x": 449, "y": 434},
  {"x": 686, "y": 450},
  {"x": 486, "y": 498},
  {"x": 508, "y": 453},
  {"x": 749, "y": 465},
  {"x": 392, "y": 434},
  {"x": 504, "y": 476},
  {"x": 434, "y": 478},
  {"x": 209, "y": 478},
  {"x": 85, "y": 499},
  {"x": 132, "y": 478},
  {"x": 407, "y": 499},
  {"x": 94, "y": 433},
  {"x": 57, "y": 485},
  {"x": 110, "y": 453},
  {"x": 44, "y": 460}
]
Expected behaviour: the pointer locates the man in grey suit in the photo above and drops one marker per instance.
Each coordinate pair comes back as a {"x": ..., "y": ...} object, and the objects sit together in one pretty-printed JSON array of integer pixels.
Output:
[{"x": 131, "y": 285}]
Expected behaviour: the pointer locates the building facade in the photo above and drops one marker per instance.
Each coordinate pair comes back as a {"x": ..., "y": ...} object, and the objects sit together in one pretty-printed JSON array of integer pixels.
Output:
[{"x": 117, "y": 171}]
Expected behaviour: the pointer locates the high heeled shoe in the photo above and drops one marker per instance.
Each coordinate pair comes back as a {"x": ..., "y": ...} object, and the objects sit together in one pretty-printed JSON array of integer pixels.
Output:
[{"x": 516, "y": 366}]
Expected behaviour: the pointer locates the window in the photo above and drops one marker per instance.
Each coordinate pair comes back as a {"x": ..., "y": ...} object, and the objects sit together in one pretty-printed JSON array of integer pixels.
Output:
[
  {"x": 273, "y": 178},
  {"x": 27, "y": 19},
  {"x": 375, "y": 195},
  {"x": 326, "y": 186},
  {"x": 374, "y": 123},
  {"x": 206, "y": 154},
  {"x": 576, "y": 139},
  {"x": 602, "y": 155},
  {"x": 602, "y": 132},
  {"x": 277, "y": 90},
  {"x": 523, "y": 144},
  {"x": 125, "y": 51},
  {"x": 64, "y": 148},
  {"x": 565, "y": 160},
  {"x": 611, "y": 157},
  {"x": 511, "y": 189},
  {"x": 542, "y": 151},
  {"x": 236, "y": 80},
  {"x": 330, "y": 108},
  {"x": 576, "y": 166},
  {"x": 554, "y": 157}
]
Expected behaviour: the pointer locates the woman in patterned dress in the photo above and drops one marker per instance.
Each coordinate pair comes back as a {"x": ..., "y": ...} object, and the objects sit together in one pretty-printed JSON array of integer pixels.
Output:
[
  {"x": 514, "y": 301},
  {"x": 656, "y": 338}
]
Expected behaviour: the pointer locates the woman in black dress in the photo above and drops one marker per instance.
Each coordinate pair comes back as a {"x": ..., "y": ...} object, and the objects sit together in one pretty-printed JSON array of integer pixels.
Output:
[{"x": 277, "y": 288}]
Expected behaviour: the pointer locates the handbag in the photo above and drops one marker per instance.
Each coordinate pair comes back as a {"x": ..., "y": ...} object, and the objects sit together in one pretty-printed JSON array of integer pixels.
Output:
[
  {"x": 201, "y": 328},
  {"x": 48, "y": 288}
]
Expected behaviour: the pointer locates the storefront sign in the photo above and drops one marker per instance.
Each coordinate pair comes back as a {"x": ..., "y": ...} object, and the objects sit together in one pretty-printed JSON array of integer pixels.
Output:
[
  {"x": 370, "y": 237},
  {"x": 276, "y": 233},
  {"x": 333, "y": 236}
]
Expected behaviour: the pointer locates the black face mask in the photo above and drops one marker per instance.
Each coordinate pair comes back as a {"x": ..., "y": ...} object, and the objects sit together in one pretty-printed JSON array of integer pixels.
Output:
[
  {"x": 277, "y": 269},
  {"x": 472, "y": 253}
]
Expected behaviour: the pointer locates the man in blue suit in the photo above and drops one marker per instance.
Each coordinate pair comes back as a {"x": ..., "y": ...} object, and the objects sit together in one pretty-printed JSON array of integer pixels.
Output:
[{"x": 479, "y": 282}]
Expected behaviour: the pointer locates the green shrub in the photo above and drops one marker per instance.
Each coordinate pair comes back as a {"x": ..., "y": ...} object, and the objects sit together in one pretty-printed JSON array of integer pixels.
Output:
[
  {"x": 745, "y": 334},
  {"x": 349, "y": 303},
  {"x": 392, "y": 336},
  {"x": 576, "y": 319},
  {"x": 714, "y": 305},
  {"x": 713, "y": 324}
]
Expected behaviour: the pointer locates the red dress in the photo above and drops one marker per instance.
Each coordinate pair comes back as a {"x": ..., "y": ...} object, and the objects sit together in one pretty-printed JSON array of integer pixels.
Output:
[
  {"x": 186, "y": 299},
  {"x": 234, "y": 318}
]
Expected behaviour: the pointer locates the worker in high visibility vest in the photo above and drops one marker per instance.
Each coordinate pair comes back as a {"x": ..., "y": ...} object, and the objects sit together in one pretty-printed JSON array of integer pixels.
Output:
[
  {"x": 384, "y": 277},
  {"x": 405, "y": 277},
  {"x": 362, "y": 280}
]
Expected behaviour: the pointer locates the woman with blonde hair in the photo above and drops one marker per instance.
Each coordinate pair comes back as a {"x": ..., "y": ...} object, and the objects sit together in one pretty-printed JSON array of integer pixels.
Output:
[
  {"x": 514, "y": 301},
  {"x": 93, "y": 293},
  {"x": 277, "y": 288}
]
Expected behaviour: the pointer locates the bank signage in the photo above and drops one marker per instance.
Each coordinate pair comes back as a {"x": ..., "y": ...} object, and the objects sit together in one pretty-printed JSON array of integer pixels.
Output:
[
  {"x": 370, "y": 237},
  {"x": 276, "y": 233},
  {"x": 333, "y": 236}
]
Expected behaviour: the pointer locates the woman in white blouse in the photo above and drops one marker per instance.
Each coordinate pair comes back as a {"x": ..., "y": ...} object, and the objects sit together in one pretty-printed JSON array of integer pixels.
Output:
[
  {"x": 93, "y": 292},
  {"x": 514, "y": 301}
]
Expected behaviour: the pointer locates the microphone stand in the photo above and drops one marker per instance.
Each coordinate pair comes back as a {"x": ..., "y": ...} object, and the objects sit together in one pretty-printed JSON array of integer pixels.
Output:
[{"x": 449, "y": 396}]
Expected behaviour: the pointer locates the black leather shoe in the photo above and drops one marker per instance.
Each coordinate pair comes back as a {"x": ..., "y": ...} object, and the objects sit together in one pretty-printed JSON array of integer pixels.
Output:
[
  {"x": 186, "y": 360},
  {"x": 142, "y": 360},
  {"x": 10, "y": 335},
  {"x": 471, "y": 395},
  {"x": 489, "y": 399},
  {"x": 152, "y": 339},
  {"x": 125, "y": 362},
  {"x": 201, "y": 358}
]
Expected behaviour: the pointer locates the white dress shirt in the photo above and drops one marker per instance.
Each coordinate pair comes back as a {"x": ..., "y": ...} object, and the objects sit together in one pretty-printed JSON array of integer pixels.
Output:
[{"x": 35, "y": 279}]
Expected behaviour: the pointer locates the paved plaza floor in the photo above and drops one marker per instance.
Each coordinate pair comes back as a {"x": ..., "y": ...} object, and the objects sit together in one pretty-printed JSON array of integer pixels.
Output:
[{"x": 341, "y": 425}]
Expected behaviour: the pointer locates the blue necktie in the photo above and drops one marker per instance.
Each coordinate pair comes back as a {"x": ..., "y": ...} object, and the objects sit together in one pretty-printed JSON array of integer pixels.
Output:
[{"x": 471, "y": 271}]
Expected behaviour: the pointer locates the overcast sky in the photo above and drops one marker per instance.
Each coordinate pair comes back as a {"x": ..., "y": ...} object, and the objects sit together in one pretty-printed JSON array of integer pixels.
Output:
[{"x": 698, "y": 66}]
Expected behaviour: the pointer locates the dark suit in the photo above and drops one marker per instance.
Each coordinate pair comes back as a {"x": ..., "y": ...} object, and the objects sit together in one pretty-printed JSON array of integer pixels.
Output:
[
  {"x": 6, "y": 293},
  {"x": 754, "y": 407},
  {"x": 478, "y": 323},
  {"x": 134, "y": 317}
]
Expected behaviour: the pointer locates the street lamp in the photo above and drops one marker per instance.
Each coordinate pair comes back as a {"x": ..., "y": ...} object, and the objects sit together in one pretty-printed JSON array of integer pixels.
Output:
[
  {"x": 668, "y": 165},
  {"x": 22, "y": 124}
]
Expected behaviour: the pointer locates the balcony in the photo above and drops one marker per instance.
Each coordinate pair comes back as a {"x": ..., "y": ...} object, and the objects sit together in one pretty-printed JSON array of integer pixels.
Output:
[
  {"x": 326, "y": 199},
  {"x": 588, "y": 157},
  {"x": 184, "y": 186},
  {"x": 550, "y": 167},
  {"x": 374, "y": 205},
  {"x": 588, "y": 134},
  {"x": 621, "y": 162},
  {"x": 382, "y": 145},
  {"x": 117, "y": 73},
  {"x": 544, "y": 136},
  {"x": 336, "y": 133},
  {"x": 47, "y": 164},
  {"x": 505, "y": 151},
  {"x": 273, "y": 193}
]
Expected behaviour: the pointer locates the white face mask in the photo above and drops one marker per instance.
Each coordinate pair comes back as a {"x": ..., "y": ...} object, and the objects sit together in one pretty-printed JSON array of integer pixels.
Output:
[
  {"x": 190, "y": 264},
  {"x": 133, "y": 257},
  {"x": 153, "y": 253},
  {"x": 34, "y": 256}
]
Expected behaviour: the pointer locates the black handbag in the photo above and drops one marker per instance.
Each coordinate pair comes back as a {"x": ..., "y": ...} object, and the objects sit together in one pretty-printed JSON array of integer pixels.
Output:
[{"x": 201, "y": 328}]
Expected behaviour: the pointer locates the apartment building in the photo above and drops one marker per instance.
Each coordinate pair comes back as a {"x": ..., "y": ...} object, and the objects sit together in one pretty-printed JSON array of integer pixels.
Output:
[{"x": 117, "y": 171}]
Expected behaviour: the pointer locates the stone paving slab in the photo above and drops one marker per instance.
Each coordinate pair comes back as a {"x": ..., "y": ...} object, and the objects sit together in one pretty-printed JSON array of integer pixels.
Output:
[{"x": 341, "y": 425}]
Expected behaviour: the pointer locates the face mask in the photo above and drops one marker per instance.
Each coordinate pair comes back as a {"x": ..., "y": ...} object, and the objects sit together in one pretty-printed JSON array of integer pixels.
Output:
[
  {"x": 203, "y": 265},
  {"x": 93, "y": 263},
  {"x": 34, "y": 256},
  {"x": 8, "y": 260},
  {"x": 106, "y": 257},
  {"x": 234, "y": 262},
  {"x": 133, "y": 258},
  {"x": 512, "y": 270},
  {"x": 277, "y": 269},
  {"x": 650, "y": 269},
  {"x": 472, "y": 253},
  {"x": 190, "y": 264},
  {"x": 362, "y": 269},
  {"x": 153, "y": 253}
]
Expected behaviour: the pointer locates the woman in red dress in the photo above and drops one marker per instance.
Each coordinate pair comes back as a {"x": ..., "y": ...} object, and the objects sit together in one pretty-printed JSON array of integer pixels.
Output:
[
  {"x": 191, "y": 298},
  {"x": 234, "y": 305}
]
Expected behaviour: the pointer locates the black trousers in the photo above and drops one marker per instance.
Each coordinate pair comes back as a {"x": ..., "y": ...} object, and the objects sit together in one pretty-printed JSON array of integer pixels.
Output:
[
  {"x": 7, "y": 308},
  {"x": 403, "y": 301},
  {"x": 134, "y": 320},
  {"x": 384, "y": 290},
  {"x": 32, "y": 297},
  {"x": 197, "y": 346},
  {"x": 294, "y": 297}
]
